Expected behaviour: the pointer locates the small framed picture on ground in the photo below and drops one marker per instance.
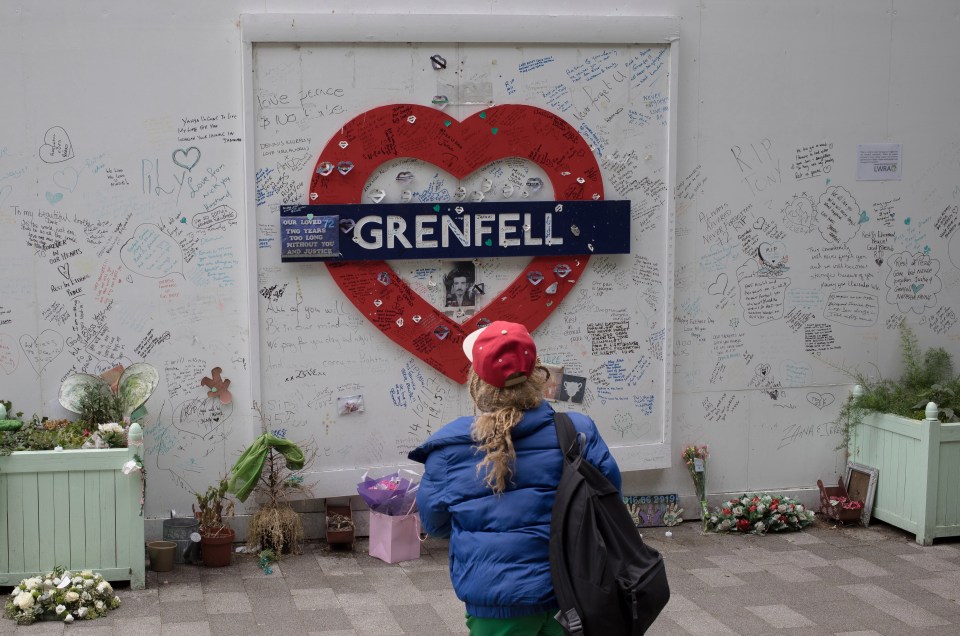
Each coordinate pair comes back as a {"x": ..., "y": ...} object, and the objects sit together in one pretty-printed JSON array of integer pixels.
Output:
[{"x": 862, "y": 486}]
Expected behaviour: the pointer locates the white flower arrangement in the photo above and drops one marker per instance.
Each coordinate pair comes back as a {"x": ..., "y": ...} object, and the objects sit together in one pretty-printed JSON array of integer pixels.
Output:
[{"x": 61, "y": 595}]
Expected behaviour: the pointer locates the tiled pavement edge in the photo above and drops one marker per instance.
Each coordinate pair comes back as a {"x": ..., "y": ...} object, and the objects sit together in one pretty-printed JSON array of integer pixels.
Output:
[{"x": 824, "y": 580}]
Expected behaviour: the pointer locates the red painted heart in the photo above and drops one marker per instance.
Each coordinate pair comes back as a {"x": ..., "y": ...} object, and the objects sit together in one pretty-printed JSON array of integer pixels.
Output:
[{"x": 460, "y": 148}]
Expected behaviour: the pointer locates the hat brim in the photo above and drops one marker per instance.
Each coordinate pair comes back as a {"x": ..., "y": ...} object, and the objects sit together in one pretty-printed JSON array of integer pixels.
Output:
[{"x": 471, "y": 340}]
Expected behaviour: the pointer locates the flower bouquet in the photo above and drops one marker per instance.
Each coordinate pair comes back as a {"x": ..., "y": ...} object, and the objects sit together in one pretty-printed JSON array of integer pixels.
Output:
[
  {"x": 695, "y": 457},
  {"x": 391, "y": 494},
  {"x": 61, "y": 595},
  {"x": 759, "y": 514}
]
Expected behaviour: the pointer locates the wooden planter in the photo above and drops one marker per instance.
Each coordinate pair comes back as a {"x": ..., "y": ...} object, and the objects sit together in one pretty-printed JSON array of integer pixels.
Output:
[
  {"x": 837, "y": 513},
  {"x": 918, "y": 463},
  {"x": 73, "y": 508},
  {"x": 341, "y": 537}
]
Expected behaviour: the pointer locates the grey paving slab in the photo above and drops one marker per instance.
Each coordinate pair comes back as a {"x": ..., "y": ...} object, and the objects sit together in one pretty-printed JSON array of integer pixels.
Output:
[{"x": 845, "y": 581}]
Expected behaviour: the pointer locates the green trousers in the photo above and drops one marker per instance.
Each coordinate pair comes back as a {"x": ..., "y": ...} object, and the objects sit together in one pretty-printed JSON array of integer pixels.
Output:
[{"x": 535, "y": 625}]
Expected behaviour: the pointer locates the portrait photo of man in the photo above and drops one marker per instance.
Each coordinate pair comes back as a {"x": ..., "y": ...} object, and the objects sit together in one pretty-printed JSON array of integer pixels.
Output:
[{"x": 459, "y": 283}]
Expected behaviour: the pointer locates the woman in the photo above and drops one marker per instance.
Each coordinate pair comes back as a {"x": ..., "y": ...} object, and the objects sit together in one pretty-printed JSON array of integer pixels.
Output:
[{"x": 490, "y": 482}]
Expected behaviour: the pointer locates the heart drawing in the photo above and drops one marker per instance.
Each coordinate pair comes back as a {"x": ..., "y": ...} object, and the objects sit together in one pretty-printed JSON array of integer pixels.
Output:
[
  {"x": 56, "y": 146},
  {"x": 188, "y": 158},
  {"x": 459, "y": 147},
  {"x": 41, "y": 351},
  {"x": 820, "y": 400}
]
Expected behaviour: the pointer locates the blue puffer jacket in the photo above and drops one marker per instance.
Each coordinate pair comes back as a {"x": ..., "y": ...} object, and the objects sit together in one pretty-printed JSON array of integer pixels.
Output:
[{"x": 500, "y": 546}]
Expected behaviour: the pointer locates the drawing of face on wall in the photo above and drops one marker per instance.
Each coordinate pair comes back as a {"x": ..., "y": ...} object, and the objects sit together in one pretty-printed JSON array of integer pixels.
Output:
[{"x": 571, "y": 389}]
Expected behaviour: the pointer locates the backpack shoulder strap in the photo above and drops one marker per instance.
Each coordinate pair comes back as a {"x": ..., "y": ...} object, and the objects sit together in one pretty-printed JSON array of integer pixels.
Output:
[{"x": 570, "y": 442}]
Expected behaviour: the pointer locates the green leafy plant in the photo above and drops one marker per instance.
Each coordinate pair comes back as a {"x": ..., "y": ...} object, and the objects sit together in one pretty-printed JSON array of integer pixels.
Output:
[
  {"x": 44, "y": 434},
  {"x": 8, "y": 410},
  {"x": 211, "y": 507},
  {"x": 928, "y": 376},
  {"x": 98, "y": 407},
  {"x": 272, "y": 468}
]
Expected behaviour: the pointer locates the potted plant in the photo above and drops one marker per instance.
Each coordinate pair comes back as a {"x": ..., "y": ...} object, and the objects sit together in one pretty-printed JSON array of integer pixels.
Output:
[
  {"x": 43, "y": 451},
  {"x": 908, "y": 430},
  {"x": 216, "y": 537},
  {"x": 271, "y": 468}
]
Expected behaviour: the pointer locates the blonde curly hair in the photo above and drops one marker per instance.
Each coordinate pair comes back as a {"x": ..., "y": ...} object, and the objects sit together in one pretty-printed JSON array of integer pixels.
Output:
[{"x": 496, "y": 412}]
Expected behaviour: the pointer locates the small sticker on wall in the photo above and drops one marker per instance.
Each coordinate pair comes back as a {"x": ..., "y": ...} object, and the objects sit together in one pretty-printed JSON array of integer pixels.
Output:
[
  {"x": 349, "y": 404},
  {"x": 571, "y": 389},
  {"x": 879, "y": 162}
]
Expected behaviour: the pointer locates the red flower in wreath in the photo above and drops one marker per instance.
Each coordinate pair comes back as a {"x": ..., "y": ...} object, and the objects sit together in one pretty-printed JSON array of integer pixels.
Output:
[{"x": 743, "y": 525}]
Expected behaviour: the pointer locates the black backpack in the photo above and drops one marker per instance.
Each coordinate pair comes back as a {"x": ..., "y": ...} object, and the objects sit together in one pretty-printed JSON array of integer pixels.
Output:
[{"x": 608, "y": 582}]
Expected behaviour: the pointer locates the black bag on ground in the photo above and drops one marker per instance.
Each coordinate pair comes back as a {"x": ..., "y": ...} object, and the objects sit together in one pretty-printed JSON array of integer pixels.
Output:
[{"x": 608, "y": 582}]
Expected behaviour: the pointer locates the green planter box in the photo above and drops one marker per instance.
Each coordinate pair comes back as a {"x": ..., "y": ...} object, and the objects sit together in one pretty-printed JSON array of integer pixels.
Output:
[
  {"x": 919, "y": 472},
  {"x": 73, "y": 508}
]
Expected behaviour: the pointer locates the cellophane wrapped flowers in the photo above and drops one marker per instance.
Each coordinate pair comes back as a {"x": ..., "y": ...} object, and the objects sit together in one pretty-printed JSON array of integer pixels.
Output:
[
  {"x": 61, "y": 595},
  {"x": 695, "y": 458},
  {"x": 759, "y": 514}
]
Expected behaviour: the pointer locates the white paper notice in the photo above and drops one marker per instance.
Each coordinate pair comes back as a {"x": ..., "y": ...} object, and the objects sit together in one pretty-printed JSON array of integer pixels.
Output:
[{"x": 879, "y": 162}]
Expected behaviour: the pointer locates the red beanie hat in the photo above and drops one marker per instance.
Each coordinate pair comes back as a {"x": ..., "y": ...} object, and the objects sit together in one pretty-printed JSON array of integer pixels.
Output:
[{"x": 502, "y": 353}]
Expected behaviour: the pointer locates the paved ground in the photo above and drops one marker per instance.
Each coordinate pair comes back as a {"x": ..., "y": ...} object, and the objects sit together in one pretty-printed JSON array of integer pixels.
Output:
[{"x": 824, "y": 580}]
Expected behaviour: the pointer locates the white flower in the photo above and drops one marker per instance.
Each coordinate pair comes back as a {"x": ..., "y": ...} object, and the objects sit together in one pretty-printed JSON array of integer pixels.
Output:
[
  {"x": 98, "y": 605},
  {"x": 725, "y": 524},
  {"x": 129, "y": 467},
  {"x": 34, "y": 583},
  {"x": 799, "y": 508},
  {"x": 761, "y": 508},
  {"x": 86, "y": 574},
  {"x": 738, "y": 511},
  {"x": 82, "y": 612},
  {"x": 759, "y": 526},
  {"x": 110, "y": 427},
  {"x": 88, "y": 583},
  {"x": 24, "y": 600},
  {"x": 104, "y": 588},
  {"x": 68, "y": 618},
  {"x": 745, "y": 501},
  {"x": 781, "y": 508},
  {"x": 61, "y": 609},
  {"x": 71, "y": 597}
]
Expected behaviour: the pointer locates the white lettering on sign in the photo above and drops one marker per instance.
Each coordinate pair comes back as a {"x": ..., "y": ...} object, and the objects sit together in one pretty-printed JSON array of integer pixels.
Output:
[{"x": 503, "y": 227}]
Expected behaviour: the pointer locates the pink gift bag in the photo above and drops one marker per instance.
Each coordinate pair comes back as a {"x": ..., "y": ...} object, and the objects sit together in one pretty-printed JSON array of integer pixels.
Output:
[{"x": 394, "y": 538}]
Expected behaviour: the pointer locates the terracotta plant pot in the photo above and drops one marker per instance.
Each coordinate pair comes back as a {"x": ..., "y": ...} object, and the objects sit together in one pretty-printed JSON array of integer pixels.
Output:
[{"x": 217, "y": 548}]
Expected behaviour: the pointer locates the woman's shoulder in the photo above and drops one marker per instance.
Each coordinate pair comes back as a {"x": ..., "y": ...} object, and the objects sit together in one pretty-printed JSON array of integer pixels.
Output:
[{"x": 452, "y": 433}]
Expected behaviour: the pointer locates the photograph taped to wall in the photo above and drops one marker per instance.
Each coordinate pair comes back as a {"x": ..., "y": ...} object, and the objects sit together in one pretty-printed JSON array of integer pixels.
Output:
[
  {"x": 553, "y": 381},
  {"x": 459, "y": 287}
]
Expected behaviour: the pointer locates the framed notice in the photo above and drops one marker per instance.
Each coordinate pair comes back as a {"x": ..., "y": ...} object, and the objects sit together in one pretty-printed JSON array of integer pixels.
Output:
[{"x": 862, "y": 486}]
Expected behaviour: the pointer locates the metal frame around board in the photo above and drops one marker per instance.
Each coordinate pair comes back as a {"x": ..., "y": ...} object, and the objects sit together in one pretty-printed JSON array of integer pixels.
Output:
[{"x": 466, "y": 29}]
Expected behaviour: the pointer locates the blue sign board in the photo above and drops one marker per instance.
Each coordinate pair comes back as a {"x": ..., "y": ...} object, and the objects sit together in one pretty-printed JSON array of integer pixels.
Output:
[
  {"x": 458, "y": 230},
  {"x": 309, "y": 237}
]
